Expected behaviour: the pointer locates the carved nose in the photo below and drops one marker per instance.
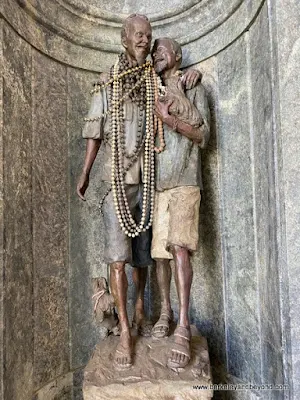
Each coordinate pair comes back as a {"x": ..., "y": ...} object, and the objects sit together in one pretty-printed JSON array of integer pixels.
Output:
[{"x": 145, "y": 39}]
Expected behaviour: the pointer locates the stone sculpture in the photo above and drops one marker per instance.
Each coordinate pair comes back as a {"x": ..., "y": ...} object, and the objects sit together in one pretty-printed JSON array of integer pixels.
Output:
[
  {"x": 121, "y": 120},
  {"x": 185, "y": 115}
]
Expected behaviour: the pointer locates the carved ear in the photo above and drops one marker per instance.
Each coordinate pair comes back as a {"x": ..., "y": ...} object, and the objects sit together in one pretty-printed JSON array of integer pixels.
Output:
[
  {"x": 124, "y": 41},
  {"x": 178, "y": 57}
]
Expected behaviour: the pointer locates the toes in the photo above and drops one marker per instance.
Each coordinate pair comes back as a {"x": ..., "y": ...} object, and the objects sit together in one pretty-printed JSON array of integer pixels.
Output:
[
  {"x": 123, "y": 361},
  {"x": 175, "y": 357},
  {"x": 179, "y": 358}
]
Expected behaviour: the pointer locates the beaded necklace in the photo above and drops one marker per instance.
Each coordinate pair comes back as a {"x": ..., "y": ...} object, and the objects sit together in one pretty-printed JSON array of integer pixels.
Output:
[
  {"x": 140, "y": 84},
  {"x": 128, "y": 225}
]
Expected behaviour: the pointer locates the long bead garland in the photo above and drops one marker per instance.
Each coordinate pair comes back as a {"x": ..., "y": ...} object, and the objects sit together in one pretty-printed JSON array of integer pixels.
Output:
[
  {"x": 129, "y": 226},
  {"x": 144, "y": 142}
]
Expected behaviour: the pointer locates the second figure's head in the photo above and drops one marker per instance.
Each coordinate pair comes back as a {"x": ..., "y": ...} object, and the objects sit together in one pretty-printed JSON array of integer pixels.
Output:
[{"x": 166, "y": 55}]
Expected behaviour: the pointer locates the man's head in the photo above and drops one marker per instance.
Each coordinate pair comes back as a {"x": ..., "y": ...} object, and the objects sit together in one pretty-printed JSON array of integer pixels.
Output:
[
  {"x": 136, "y": 36},
  {"x": 166, "y": 55}
]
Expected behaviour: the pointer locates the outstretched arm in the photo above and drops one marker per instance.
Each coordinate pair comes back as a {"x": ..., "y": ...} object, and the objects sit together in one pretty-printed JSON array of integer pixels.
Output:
[{"x": 92, "y": 148}]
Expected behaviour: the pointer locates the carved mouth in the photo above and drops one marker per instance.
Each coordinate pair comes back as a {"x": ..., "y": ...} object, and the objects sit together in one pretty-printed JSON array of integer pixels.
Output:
[{"x": 158, "y": 60}]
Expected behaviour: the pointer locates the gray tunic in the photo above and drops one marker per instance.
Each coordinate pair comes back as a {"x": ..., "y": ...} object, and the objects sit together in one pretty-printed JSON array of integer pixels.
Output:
[
  {"x": 180, "y": 163},
  {"x": 101, "y": 130}
]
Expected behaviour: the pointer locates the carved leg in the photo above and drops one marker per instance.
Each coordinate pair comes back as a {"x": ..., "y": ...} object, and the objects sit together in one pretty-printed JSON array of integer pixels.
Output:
[
  {"x": 181, "y": 352},
  {"x": 139, "y": 275},
  {"x": 119, "y": 285},
  {"x": 163, "y": 272}
]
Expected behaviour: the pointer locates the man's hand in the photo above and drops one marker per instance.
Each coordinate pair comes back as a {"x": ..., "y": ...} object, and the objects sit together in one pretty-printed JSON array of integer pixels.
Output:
[
  {"x": 161, "y": 109},
  {"x": 82, "y": 185},
  {"x": 190, "y": 78}
]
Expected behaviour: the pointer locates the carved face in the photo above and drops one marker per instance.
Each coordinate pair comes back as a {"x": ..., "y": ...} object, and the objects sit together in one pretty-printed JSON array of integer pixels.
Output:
[
  {"x": 163, "y": 55},
  {"x": 137, "y": 41}
]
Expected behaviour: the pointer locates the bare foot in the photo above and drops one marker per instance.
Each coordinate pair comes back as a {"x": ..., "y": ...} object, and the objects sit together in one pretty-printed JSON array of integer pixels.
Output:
[
  {"x": 144, "y": 326},
  {"x": 162, "y": 326},
  {"x": 123, "y": 354},
  {"x": 181, "y": 350}
]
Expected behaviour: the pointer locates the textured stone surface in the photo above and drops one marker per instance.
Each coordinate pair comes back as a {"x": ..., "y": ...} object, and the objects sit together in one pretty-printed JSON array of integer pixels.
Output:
[
  {"x": 262, "y": 155},
  {"x": 207, "y": 311},
  {"x": 86, "y": 230},
  {"x": 18, "y": 263},
  {"x": 1, "y": 211},
  {"x": 59, "y": 389},
  {"x": 81, "y": 34},
  {"x": 238, "y": 230},
  {"x": 50, "y": 219},
  {"x": 149, "y": 378},
  {"x": 77, "y": 384},
  {"x": 285, "y": 22}
]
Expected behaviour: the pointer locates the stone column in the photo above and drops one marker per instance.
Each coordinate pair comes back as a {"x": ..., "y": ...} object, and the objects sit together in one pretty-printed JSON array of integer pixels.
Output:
[{"x": 285, "y": 34}]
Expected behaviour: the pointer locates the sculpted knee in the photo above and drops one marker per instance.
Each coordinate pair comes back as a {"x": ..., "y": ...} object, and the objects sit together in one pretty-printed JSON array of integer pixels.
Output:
[
  {"x": 118, "y": 266},
  {"x": 178, "y": 251}
]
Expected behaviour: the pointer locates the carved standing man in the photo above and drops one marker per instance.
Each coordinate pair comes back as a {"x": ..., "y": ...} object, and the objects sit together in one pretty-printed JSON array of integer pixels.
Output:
[
  {"x": 121, "y": 125},
  {"x": 178, "y": 183},
  {"x": 116, "y": 126}
]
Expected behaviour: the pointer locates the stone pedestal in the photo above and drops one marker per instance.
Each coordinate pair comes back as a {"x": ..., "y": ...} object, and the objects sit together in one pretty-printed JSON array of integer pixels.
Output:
[{"x": 149, "y": 378}]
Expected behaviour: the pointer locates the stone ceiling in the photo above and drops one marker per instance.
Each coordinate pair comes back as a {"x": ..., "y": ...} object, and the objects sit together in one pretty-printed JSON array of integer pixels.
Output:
[{"x": 86, "y": 33}]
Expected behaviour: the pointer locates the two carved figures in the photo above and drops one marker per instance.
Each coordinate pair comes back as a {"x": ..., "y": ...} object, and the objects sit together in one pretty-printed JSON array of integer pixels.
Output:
[{"x": 148, "y": 123}]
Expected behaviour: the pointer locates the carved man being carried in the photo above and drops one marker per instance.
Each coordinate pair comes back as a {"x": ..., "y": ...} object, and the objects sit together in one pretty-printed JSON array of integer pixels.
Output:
[{"x": 178, "y": 183}]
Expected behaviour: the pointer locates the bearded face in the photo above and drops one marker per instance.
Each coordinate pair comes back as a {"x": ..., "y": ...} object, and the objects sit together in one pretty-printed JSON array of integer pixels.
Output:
[
  {"x": 163, "y": 55},
  {"x": 137, "y": 41}
]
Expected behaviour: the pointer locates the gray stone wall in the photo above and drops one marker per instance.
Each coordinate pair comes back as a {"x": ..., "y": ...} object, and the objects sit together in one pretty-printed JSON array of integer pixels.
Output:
[
  {"x": 285, "y": 47},
  {"x": 17, "y": 211},
  {"x": 37, "y": 109},
  {"x": 1, "y": 215},
  {"x": 245, "y": 288}
]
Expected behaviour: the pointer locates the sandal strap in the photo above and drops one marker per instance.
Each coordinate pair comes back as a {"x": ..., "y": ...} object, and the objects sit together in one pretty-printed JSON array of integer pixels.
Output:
[
  {"x": 183, "y": 337},
  {"x": 165, "y": 315},
  {"x": 183, "y": 332},
  {"x": 160, "y": 325},
  {"x": 180, "y": 349}
]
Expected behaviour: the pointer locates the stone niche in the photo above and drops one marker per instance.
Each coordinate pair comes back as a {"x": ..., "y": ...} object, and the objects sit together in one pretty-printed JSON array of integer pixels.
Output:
[{"x": 245, "y": 288}]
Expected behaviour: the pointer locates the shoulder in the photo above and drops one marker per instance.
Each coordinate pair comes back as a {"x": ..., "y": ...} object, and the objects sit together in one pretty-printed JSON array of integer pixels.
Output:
[
  {"x": 102, "y": 79},
  {"x": 198, "y": 88},
  {"x": 197, "y": 91}
]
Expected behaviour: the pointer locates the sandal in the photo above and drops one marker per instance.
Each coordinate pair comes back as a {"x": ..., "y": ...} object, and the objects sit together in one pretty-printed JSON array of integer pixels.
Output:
[
  {"x": 180, "y": 350},
  {"x": 162, "y": 326},
  {"x": 123, "y": 353}
]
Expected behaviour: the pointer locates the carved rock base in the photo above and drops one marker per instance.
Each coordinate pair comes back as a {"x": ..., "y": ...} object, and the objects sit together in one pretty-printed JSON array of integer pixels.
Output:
[{"x": 149, "y": 378}]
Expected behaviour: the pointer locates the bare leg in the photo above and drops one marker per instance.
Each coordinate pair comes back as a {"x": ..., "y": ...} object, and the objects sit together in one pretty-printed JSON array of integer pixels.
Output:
[
  {"x": 181, "y": 352},
  {"x": 119, "y": 285},
  {"x": 139, "y": 275},
  {"x": 140, "y": 278},
  {"x": 163, "y": 272}
]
